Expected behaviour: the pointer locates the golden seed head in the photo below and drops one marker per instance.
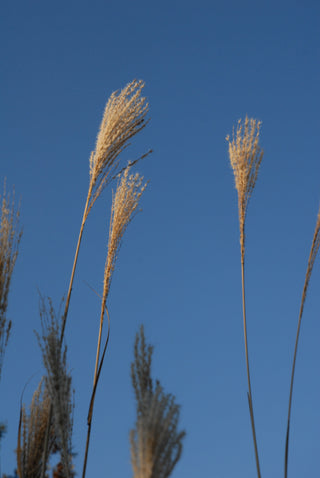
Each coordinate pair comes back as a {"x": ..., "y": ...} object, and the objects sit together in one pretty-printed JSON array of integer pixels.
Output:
[
  {"x": 124, "y": 206},
  {"x": 10, "y": 236},
  {"x": 123, "y": 118},
  {"x": 245, "y": 158},
  {"x": 156, "y": 443}
]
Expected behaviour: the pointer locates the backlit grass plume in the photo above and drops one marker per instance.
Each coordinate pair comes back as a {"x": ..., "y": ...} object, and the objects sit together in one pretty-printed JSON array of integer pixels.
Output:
[
  {"x": 124, "y": 207},
  {"x": 124, "y": 116},
  {"x": 245, "y": 158},
  {"x": 58, "y": 383},
  {"x": 312, "y": 257},
  {"x": 10, "y": 235},
  {"x": 156, "y": 443},
  {"x": 31, "y": 434}
]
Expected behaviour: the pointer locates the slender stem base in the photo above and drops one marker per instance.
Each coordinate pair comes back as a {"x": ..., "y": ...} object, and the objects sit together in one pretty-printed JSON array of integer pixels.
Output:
[
  {"x": 286, "y": 456},
  {"x": 95, "y": 384},
  {"x": 247, "y": 366}
]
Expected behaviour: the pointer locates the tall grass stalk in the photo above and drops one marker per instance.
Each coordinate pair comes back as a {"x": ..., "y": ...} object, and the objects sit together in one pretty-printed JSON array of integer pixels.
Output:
[
  {"x": 124, "y": 206},
  {"x": 245, "y": 158},
  {"x": 124, "y": 116},
  {"x": 312, "y": 257}
]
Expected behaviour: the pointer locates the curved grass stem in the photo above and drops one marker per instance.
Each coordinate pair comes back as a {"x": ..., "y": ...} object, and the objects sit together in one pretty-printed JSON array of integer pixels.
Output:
[
  {"x": 247, "y": 365},
  {"x": 312, "y": 257}
]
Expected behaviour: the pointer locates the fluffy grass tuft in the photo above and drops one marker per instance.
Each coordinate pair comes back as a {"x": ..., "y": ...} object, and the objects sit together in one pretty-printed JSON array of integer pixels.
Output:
[
  {"x": 58, "y": 382},
  {"x": 245, "y": 158},
  {"x": 10, "y": 236},
  {"x": 156, "y": 443},
  {"x": 31, "y": 435},
  {"x": 124, "y": 116}
]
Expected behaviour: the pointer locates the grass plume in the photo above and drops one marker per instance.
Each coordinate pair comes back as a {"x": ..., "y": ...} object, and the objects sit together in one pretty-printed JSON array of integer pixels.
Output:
[
  {"x": 58, "y": 382},
  {"x": 156, "y": 443},
  {"x": 31, "y": 434},
  {"x": 245, "y": 158},
  {"x": 124, "y": 117},
  {"x": 124, "y": 206},
  {"x": 10, "y": 236}
]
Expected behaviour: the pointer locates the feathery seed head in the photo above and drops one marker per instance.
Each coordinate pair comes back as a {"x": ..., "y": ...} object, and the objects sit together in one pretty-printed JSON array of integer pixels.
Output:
[
  {"x": 32, "y": 430},
  {"x": 156, "y": 443},
  {"x": 124, "y": 207},
  {"x": 10, "y": 236},
  {"x": 123, "y": 118},
  {"x": 245, "y": 158},
  {"x": 58, "y": 382}
]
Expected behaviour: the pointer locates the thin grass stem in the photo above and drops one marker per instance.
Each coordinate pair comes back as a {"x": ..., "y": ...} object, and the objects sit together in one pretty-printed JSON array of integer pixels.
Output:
[
  {"x": 95, "y": 383},
  {"x": 247, "y": 365},
  {"x": 84, "y": 218},
  {"x": 312, "y": 257}
]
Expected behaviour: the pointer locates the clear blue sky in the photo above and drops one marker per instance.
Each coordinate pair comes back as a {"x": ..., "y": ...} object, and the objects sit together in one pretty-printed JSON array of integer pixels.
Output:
[{"x": 206, "y": 64}]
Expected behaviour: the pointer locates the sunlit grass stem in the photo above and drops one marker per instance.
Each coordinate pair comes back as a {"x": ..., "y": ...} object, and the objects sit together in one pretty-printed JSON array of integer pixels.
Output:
[
  {"x": 312, "y": 257},
  {"x": 245, "y": 158}
]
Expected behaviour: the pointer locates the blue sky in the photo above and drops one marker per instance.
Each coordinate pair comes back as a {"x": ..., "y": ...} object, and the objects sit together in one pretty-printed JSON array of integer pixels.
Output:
[{"x": 205, "y": 64}]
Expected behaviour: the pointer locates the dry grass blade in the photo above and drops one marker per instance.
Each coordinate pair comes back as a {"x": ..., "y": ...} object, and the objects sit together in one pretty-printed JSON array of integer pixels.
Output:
[
  {"x": 10, "y": 236},
  {"x": 156, "y": 443},
  {"x": 312, "y": 257},
  {"x": 31, "y": 433},
  {"x": 58, "y": 382},
  {"x": 245, "y": 158}
]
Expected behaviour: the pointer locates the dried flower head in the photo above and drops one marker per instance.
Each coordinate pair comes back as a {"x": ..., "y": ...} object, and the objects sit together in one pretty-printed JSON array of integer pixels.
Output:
[
  {"x": 156, "y": 443},
  {"x": 32, "y": 430},
  {"x": 10, "y": 236},
  {"x": 123, "y": 118},
  {"x": 124, "y": 207},
  {"x": 58, "y": 382},
  {"x": 245, "y": 158}
]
